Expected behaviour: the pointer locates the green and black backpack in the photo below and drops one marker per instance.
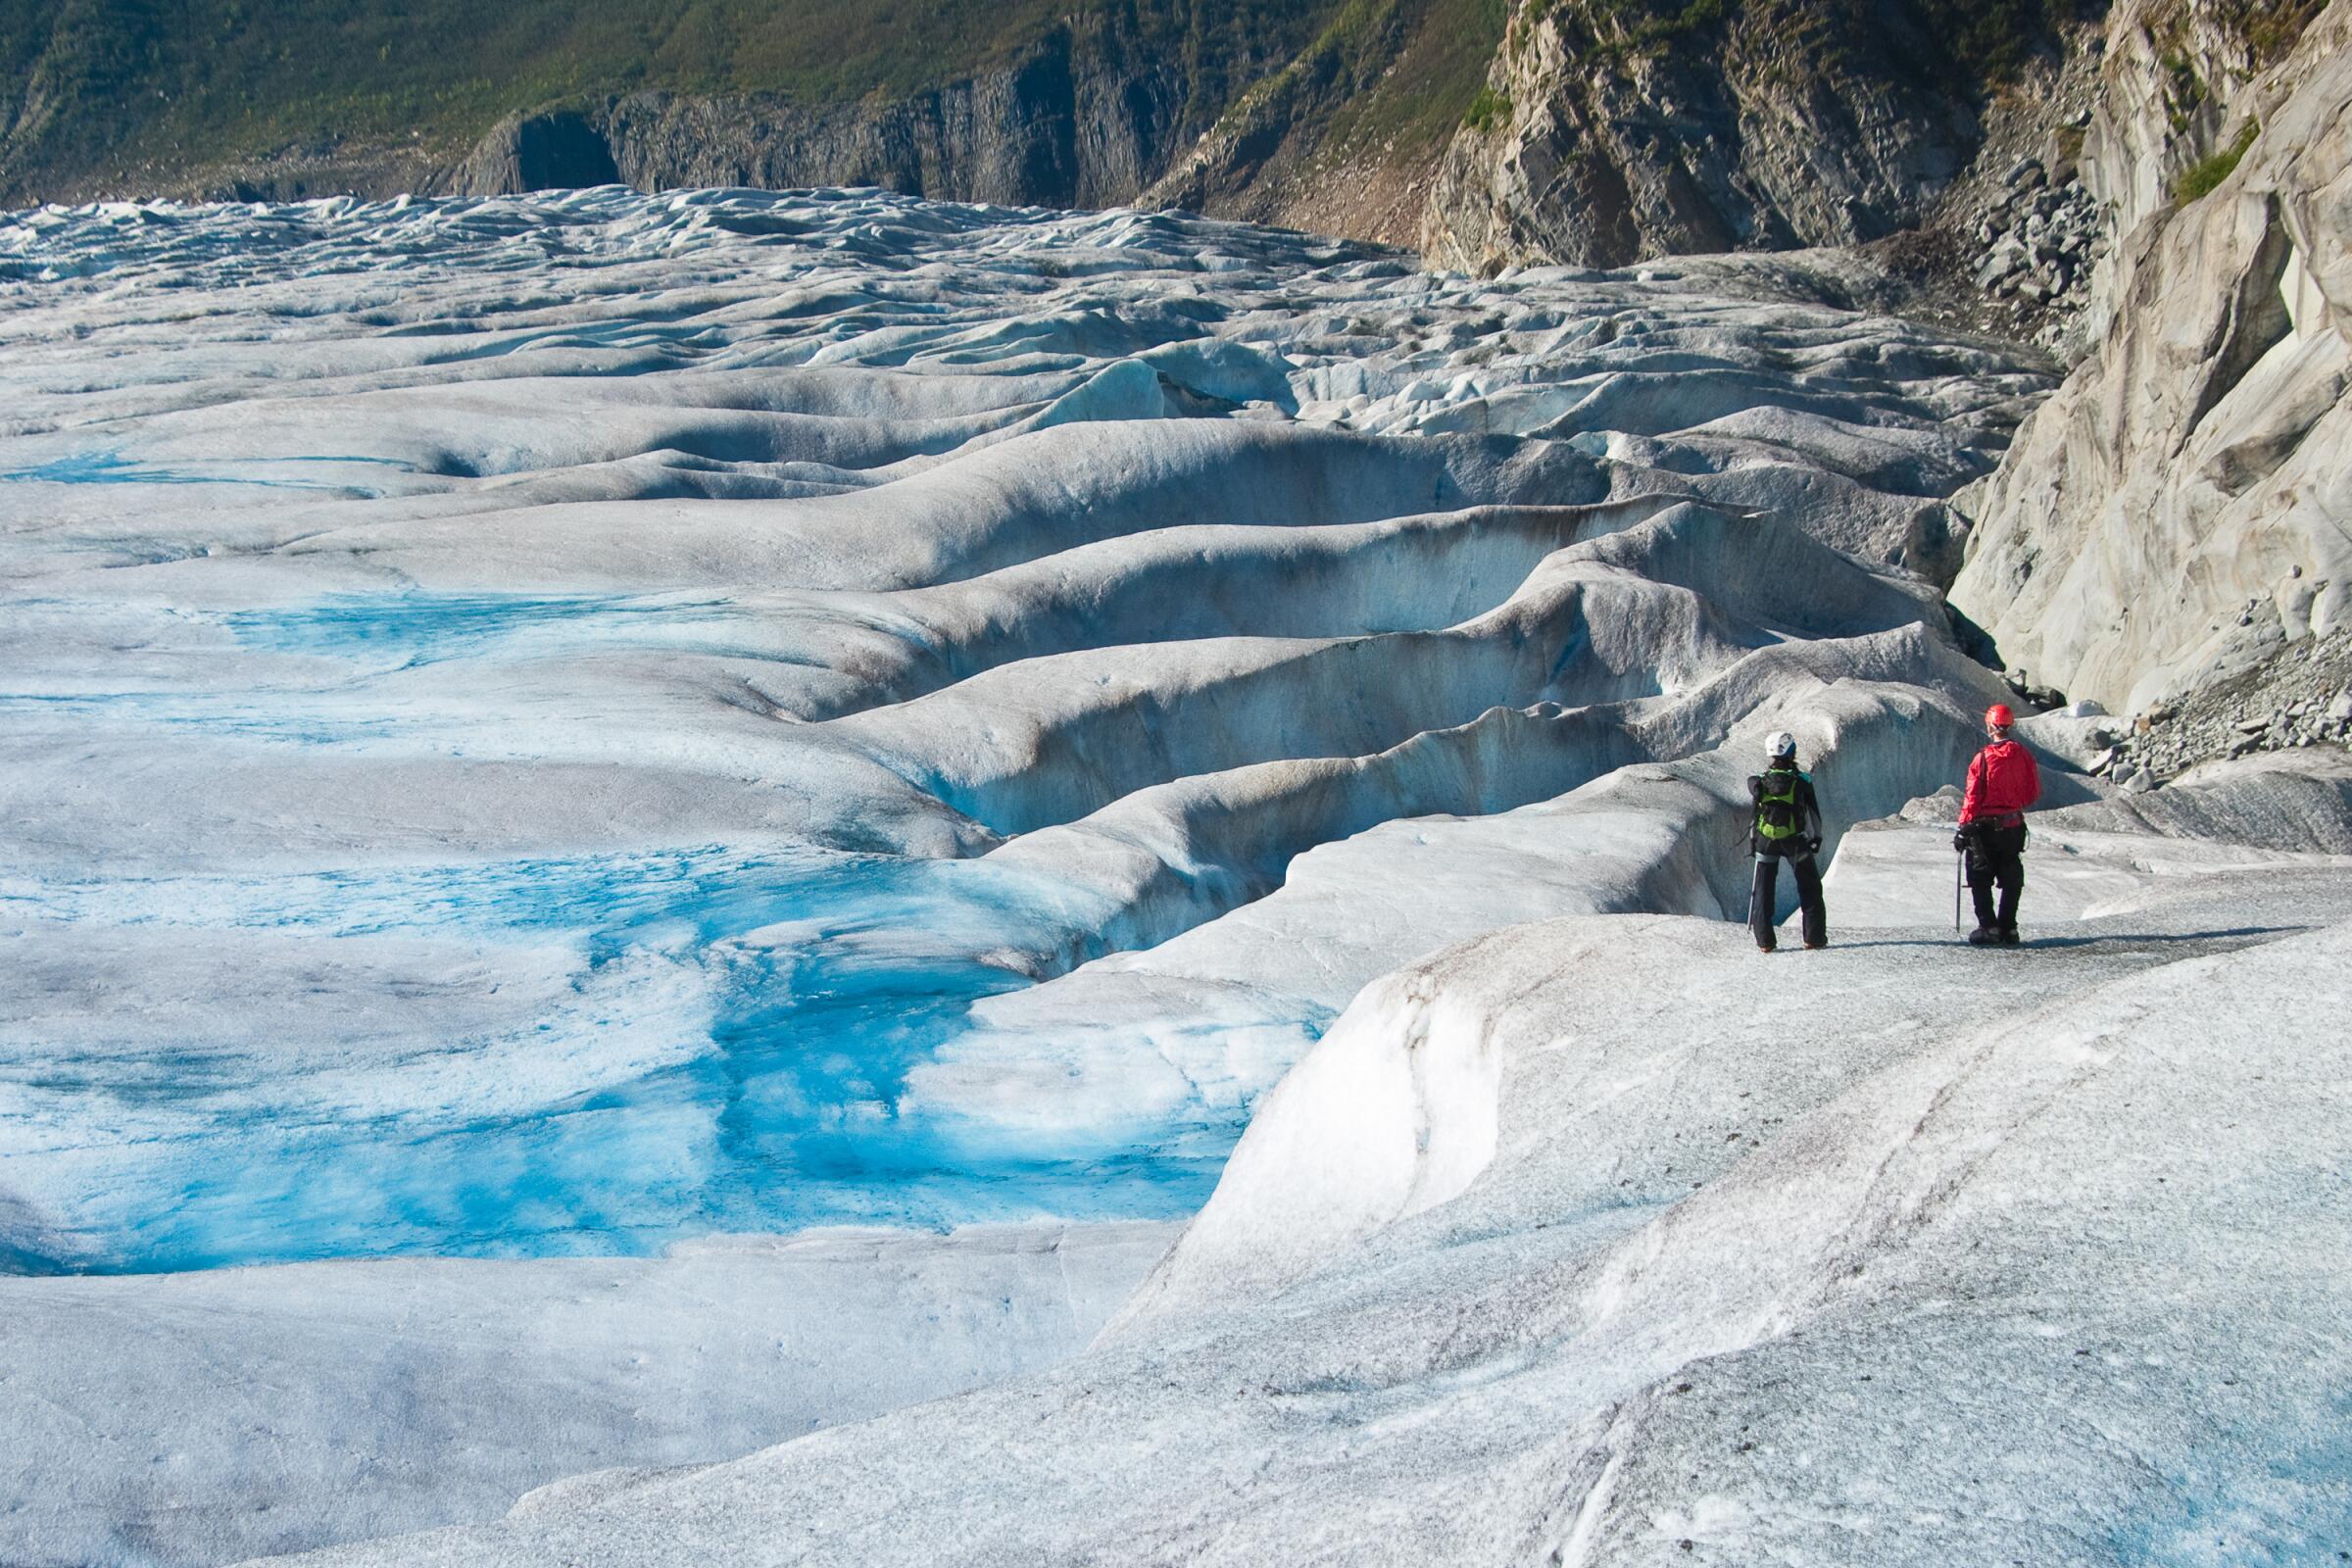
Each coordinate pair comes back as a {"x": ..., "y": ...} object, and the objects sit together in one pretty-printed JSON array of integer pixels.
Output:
[{"x": 1778, "y": 816}]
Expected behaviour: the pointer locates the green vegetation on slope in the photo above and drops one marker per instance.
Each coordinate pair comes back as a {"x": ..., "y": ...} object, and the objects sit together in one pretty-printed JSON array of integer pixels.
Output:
[
  {"x": 102, "y": 86},
  {"x": 1984, "y": 42},
  {"x": 2202, "y": 177},
  {"x": 1486, "y": 111},
  {"x": 1380, "y": 74},
  {"x": 1417, "y": 95}
]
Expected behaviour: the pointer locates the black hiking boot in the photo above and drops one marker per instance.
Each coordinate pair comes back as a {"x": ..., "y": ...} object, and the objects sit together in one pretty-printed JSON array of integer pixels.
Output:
[
  {"x": 1984, "y": 936},
  {"x": 2009, "y": 936}
]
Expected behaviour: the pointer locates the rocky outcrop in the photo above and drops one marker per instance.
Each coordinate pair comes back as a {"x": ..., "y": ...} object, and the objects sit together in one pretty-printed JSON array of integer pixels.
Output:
[
  {"x": 1346, "y": 138},
  {"x": 2176, "y": 515},
  {"x": 1077, "y": 122},
  {"x": 1341, "y": 138},
  {"x": 559, "y": 150},
  {"x": 2173, "y": 78},
  {"x": 1610, "y": 134}
]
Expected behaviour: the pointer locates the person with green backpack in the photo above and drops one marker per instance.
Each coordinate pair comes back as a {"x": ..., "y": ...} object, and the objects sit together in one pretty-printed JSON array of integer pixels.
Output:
[{"x": 1785, "y": 825}]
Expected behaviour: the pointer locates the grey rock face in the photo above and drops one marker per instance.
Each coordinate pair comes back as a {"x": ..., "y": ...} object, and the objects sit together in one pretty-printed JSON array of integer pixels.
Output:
[
  {"x": 2294, "y": 800},
  {"x": 540, "y": 152},
  {"x": 1788, "y": 123},
  {"x": 2173, "y": 78},
  {"x": 2176, "y": 515},
  {"x": 1075, "y": 122}
]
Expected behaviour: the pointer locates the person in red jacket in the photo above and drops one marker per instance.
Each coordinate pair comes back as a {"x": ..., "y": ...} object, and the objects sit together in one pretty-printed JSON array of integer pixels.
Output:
[{"x": 2003, "y": 782}]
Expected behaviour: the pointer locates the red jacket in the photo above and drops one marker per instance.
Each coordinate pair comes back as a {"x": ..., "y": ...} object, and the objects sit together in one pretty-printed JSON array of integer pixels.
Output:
[{"x": 2003, "y": 782}]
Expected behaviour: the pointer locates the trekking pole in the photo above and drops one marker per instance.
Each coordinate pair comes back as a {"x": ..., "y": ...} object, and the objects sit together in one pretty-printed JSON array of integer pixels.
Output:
[{"x": 1959, "y": 862}]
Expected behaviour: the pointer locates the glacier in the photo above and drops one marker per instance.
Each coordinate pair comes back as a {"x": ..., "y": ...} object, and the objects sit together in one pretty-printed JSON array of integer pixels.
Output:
[
  {"x": 616, "y": 684},
  {"x": 552, "y": 742},
  {"x": 1550, "y": 1253}
]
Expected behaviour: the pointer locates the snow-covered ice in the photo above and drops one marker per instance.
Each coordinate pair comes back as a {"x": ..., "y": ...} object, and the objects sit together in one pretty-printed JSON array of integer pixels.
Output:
[
  {"x": 1604, "y": 1241},
  {"x": 220, "y": 1414},
  {"x": 554, "y": 728}
]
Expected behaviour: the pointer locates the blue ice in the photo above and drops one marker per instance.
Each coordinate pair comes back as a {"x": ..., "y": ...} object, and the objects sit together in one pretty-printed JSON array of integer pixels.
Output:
[
  {"x": 772, "y": 1101},
  {"x": 781, "y": 1114},
  {"x": 277, "y": 474},
  {"x": 426, "y": 627}
]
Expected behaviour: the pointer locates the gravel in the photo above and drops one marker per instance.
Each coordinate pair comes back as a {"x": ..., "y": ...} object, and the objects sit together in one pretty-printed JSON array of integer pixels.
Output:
[{"x": 2300, "y": 696}]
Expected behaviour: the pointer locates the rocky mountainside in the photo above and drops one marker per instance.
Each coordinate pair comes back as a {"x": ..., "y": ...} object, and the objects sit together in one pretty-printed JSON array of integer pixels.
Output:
[
  {"x": 2175, "y": 516},
  {"x": 1325, "y": 113},
  {"x": 1081, "y": 119},
  {"x": 1343, "y": 136},
  {"x": 1614, "y": 130},
  {"x": 1939, "y": 146}
]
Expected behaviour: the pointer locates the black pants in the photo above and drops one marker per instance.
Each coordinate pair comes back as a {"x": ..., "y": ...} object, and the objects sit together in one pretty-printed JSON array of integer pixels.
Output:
[
  {"x": 1997, "y": 857},
  {"x": 1763, "y": 898}
]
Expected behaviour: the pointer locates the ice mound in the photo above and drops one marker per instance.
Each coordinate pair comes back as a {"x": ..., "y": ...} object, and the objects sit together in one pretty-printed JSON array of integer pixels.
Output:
[{"x": 554, "y": 724}]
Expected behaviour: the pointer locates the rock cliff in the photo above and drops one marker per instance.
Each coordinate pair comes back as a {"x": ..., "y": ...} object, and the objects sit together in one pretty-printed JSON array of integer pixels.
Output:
[
  {"x": 1342, "y": 137},
  {"x": 1613, "y": 131},
  {"x": 2175, "y": 515},
  {"x": 1082, "y": 119}
]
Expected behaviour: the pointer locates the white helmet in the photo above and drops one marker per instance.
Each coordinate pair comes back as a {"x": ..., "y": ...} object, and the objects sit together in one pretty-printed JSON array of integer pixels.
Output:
[{"x": 1782, "y": 743}]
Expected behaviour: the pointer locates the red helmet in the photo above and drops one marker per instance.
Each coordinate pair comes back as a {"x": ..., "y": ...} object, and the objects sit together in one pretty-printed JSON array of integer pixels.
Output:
[{"x": 1998, "y": 716}]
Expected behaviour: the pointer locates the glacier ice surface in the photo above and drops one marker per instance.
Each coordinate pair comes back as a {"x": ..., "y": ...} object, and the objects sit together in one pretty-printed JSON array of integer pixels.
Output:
[
  {"x": 1602, "y": 1240},
  {"x": 534, "y": 731}
]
